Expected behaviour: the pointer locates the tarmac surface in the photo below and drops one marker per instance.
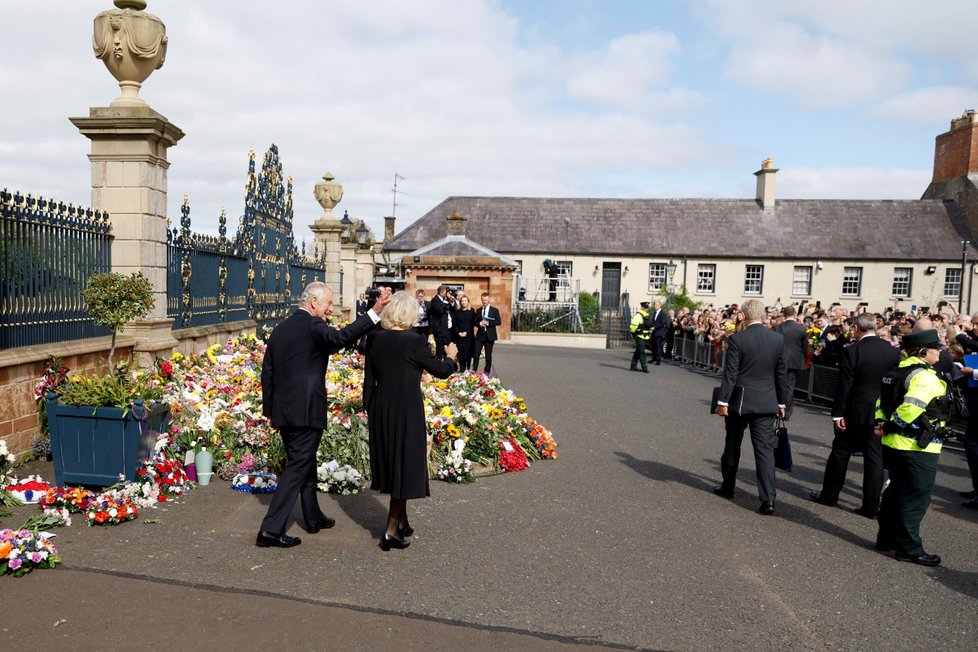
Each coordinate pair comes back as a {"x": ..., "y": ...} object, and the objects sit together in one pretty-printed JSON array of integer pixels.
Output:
[{"x": 620, "y": 543}]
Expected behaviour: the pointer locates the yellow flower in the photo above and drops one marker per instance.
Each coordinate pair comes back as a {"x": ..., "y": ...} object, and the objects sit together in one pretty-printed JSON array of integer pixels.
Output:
[
  {"x": 452, "y": 430},
  {"x": 446, "y": 412},
  {"x": 176, "y": 357}
]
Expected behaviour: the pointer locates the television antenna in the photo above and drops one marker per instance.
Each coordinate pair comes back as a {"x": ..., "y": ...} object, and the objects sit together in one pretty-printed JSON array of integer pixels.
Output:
[{"x": 394, "y": 207}]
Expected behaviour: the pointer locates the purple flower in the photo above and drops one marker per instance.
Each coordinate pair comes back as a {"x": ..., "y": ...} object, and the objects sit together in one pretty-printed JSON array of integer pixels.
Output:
[
  {"x": 15, "y": 563},
  {"x": 36, "y": 557}
]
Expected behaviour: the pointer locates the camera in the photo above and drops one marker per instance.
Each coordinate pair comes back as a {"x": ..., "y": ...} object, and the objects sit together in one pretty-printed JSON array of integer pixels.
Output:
[
  {"x": 373, "y": 293},
  {"x": 941, "y": 304}
]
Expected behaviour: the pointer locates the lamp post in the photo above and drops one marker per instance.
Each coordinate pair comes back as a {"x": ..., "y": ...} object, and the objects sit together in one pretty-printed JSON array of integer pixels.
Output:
[
  {"x": 964, "y": 264},
  {"x": 347, "y": 226},
  {"x": 671, "y": 271},
  {"x": 362, "y": 232}
]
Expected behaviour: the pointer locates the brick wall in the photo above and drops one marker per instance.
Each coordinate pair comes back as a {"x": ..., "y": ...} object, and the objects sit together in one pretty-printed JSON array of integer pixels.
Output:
[{"x": 956, "y": 151}]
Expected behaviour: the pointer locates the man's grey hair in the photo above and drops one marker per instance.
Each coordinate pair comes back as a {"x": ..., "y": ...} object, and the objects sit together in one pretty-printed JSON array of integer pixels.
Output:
[
  {"x": 753, "y": 310},
  {"x": 315, "y": 289},
  {"x": 865, "y": 322}
]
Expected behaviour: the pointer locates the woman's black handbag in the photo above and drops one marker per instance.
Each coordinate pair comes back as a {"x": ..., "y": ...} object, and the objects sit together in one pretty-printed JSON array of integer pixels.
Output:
[{"x": 782, "y": 451}]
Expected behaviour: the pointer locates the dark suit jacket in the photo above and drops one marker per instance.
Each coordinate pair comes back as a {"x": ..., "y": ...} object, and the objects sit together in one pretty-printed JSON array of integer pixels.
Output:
[
  {"x": 755, "y": 361},
  {"x": 438, "y": 311},
  {"x": 361, "y": 307},
  {"x": 660, "y": 323},
  {"x": 293, "y": 385},
  {"x": 795, "y": 344},
  {"x": 489, "y": 332},
  {"x": 860, "y": 375}
]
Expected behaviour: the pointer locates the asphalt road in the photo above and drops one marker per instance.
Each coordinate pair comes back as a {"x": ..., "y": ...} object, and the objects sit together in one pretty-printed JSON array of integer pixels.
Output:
[{"x": 618, "y": 543}]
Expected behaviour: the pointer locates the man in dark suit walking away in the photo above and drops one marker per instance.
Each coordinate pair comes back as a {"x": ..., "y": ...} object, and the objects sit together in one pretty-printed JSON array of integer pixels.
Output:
[
  {"x": 752, "y": 392},
  {"x": 293, "y": 389},
  {"x": 661, "y": 325},
  {"x": 864, "y": 363},
  {"x": 795, "y": 347},
  {"x": 440, "y": 320},
  {"x": 487, "y": 318}
]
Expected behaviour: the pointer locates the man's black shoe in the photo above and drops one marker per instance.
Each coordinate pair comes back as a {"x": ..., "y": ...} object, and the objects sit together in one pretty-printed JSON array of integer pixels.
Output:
[
  {"x": 633, "y": 369},
  {"x": 864, "y": 512},
  {"x": 766, "y": 508},
  {"x": 645, "y": 371},
  {"x": 723, "y": 492},
  {"x": 971, "y": 504},
  {"x": 324, "y": 523},
  {"x": 266, "y": 540},
  {"x": 923, "y": 560},
  {"x": 657, "y": 363},
  {"x": 817, "y": 497},
  {"x": 968, "y": 494}
]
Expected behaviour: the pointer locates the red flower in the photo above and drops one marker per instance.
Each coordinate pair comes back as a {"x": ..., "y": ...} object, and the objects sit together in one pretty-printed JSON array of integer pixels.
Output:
[
  {"x": 514, "y": 459},
  {"x": 101, "y": 517},
  {"x": 166, "y": 368}
]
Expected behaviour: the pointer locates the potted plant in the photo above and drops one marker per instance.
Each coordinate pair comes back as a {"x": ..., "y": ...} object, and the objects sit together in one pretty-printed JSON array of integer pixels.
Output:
[{"x": 103, "y": 426}]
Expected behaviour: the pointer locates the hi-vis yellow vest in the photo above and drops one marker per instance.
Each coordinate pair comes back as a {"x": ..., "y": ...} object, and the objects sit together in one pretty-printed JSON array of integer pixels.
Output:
[{"x": 924, "y": 386}]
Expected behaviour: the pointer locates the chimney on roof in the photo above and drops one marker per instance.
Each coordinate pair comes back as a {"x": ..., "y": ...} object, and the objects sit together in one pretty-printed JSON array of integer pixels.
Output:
[
  {"x": 956, "y": 151},
  {"x": 389, "y": 228},
  {"x": 456, "y": 224},
  {"x": 765, "y": 184}
]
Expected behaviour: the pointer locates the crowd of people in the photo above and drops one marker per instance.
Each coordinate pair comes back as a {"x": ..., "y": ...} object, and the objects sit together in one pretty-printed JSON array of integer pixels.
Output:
[{"x": 902, "y": 377}]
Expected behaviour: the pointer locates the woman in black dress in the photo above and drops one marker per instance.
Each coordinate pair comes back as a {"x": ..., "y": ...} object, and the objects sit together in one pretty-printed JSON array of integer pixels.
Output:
[
  {"x": 464, "y": 322},
  {"x": 396, "y": 357}
]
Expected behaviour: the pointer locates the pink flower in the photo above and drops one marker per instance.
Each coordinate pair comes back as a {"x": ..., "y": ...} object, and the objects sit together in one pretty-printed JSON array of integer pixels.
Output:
[{"x": 15, "y": 564}]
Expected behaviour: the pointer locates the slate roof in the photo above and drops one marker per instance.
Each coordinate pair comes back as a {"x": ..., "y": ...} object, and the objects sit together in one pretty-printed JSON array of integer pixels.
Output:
[
  {"x": 459, "y": 247},
  {"x": 925, "y": 229}
]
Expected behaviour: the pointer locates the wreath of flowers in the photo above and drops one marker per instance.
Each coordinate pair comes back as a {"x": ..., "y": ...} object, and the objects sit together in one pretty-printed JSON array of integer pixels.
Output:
[
  {"x": 21, "y": 551},
  {"x": 261, "y": 482},
  {"x": 111, "y": 509},
  {"x": 74, "y": 499},
  {"x": 166, "y": 473},
  {"x": 511, "y": 456},
  {"x": 29, "y": 490},
  {"x": 337, "y": 479}
]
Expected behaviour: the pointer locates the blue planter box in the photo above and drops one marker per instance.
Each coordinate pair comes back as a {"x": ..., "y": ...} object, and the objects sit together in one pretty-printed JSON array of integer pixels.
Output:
[{"x": 94, "y": 446}]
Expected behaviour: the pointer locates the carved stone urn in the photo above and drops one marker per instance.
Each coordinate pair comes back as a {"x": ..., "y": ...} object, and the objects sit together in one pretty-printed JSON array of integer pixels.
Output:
[
  {"x": 131, "y": 44},
  {"x": 328, "y": 194}
]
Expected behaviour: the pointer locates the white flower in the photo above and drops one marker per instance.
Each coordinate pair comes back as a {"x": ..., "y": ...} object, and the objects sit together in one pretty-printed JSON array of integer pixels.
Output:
[{"x": 205, "y": 422}]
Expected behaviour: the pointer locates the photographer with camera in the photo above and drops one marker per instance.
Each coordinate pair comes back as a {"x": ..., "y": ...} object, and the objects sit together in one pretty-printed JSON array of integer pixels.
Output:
[
  {"x": 421, "y": 326},
  {"x": 440, "y": 319},
  {"x": 913, "y": 409}
]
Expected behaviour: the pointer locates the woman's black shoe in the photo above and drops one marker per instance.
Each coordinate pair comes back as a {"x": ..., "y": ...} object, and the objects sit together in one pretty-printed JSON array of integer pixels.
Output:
[
  {"x": 387, "y": 542},
  {"x": 404, "y": 530}
]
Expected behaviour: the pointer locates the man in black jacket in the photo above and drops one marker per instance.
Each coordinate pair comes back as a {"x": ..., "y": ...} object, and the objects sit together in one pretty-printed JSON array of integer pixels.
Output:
[
  {"x": 293, "y": 391},
  {"x": 795, "y": 346},
  {"x": 487, "y": 318},
  {"x": 864, "y": 363},
  {"x": 752, "y": 392},
  {"x": 440, "y": 320},
  {"x": 661, "y": 325}
]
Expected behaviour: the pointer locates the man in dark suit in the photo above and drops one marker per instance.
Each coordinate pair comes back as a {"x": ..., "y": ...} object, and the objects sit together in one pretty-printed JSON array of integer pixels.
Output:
[
  {"x": 864, "y": 364},
  {"x": 486, "y": 320},
  {"x": 361, "y": 305},
  {"x": 661, "y": 325},
  {"x": 752, "y": 392},
  {"x": 440, "y": 320},
  {"x": 294, "y": 398},
  {"x": 795, "y": 346}
]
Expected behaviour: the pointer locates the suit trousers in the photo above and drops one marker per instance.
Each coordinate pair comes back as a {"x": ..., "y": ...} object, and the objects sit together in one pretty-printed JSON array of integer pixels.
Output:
[
  {"x": 638, "y": 357},
  {"x": 298, "y": 479},
  {"x": 789, "y": 390},
  {"x": 657, "y": 348},
  {"x": 905, "y": 501},
  {"x": 855, "y": 438},
  {"x": 762, "y": 439},
  {"x": 465, "y": 352},
  {"x": 441, "y": 341},
  {"x": 481, "y": 342}
]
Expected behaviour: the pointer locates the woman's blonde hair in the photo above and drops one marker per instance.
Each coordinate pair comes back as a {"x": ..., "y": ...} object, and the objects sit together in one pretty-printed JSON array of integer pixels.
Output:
[{"x": 401, "y": 312}]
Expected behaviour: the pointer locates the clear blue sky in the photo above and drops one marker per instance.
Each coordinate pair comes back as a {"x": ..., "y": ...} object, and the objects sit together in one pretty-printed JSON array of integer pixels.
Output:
[{"x": 609, "y": 98}]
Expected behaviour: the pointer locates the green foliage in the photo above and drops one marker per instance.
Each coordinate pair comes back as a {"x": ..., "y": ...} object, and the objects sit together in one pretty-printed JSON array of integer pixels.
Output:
[
  {"x": 114, "y": 300},
  {"x": 590, "y": 309},
  {"x": 560, "y": 319},
  {"x": 679, "y": 300},
  {"x": 118, "y": 389}
]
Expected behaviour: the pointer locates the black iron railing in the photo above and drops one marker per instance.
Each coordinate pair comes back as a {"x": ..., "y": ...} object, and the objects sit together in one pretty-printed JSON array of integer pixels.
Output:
[{"x": 48, "y": 250}]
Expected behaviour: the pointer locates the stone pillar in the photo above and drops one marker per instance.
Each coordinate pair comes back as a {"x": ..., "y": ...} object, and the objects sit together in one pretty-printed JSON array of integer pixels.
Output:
[
  {"x": 328, "y": 231},
  {"x": 128, "y": 162}
]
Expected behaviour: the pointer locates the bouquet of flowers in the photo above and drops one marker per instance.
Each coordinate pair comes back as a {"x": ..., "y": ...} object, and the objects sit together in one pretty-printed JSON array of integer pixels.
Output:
[
  {"x": 75, "y": 500},
  {"x": 456, "y": 468},
  {"x": 511, "y": 456},
  {"x": 111, "y": 508},
  {"x": 261, "y": 482},
  {"x": 29, "y": 490},
  {"x": 7, "y": 460},
  {"x": 21, "y": 551},
  {"x": 165, "y": 473},
  {"x": 542, "y": 439},
  {"x": 337, "y": 479}
]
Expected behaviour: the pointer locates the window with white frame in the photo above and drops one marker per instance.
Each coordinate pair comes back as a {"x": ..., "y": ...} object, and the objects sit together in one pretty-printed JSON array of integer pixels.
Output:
[
  {"x": 753, "y": 279},
  {"x": 952, "y": 282},
  {"x": 852, "y": 281},
  {"x": 706, "y": 276},
  {"x": 902, "y": 281},
  {"x": 657, "y": 276},
  {"x": 801, "y": 281},
  {"x": 565, "y": 270}
]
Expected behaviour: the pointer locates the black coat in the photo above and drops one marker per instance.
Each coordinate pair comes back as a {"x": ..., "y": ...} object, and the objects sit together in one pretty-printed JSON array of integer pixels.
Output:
[
  {"x": 489, "y": 332},
  {"x": 795, "y": 344},
  {"x": 860, "y": 376},
  {"x": 464, "y": 322},
  {"x": 293, "y": 383},
  {"x": 755, "y": 361},
  {"x": 660, "y": 323},
  {"x": 395, "y": 411},
  {"x": 438, "y": 311}
]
